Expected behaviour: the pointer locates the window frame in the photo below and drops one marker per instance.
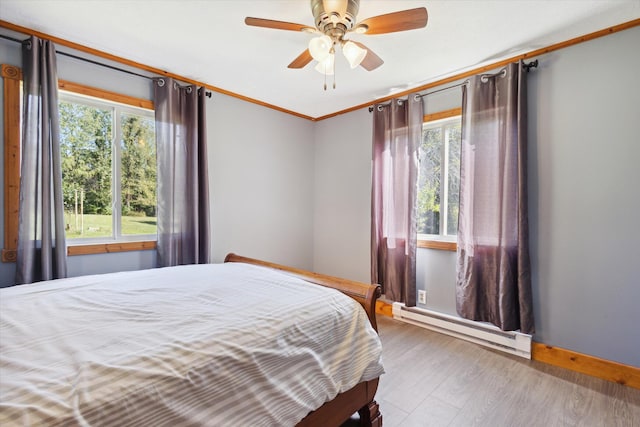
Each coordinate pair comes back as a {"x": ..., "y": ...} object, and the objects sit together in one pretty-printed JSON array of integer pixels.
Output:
[
  {"x": 431, "y": 241},
  {"x": 118, "y": 109},
  {"x": 12, "y": 79}
]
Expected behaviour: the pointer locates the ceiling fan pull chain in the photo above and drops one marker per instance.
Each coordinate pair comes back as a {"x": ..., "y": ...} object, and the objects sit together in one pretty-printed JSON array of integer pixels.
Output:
[{"x": 334, "y": 74}]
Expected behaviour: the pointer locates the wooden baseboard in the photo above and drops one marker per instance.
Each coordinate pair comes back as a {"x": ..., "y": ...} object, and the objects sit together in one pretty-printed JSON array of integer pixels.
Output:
[
  {"x": 590, "y": 365},
  {"x": 600, "y": 368},
  {"x": 384, "y": 308}
]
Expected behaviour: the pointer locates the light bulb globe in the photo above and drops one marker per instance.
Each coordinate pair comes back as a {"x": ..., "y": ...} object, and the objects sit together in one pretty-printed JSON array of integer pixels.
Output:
[
  {"x": 326, "y": 66},
  {"x": 354, "y": 53},
  {"x": 319, "y": 47}
]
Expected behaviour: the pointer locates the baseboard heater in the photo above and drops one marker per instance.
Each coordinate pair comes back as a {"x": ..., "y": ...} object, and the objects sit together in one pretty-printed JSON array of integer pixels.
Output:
[{"x": 477, "y": 332}]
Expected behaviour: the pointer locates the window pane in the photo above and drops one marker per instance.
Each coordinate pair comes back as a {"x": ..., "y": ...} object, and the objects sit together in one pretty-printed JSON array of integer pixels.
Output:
[
  {"x": 429, "y": 181},
  {"x": 454, "y": 136},
  {"x": 138, "y": 184},
  {"x": 86, "y": 149}
]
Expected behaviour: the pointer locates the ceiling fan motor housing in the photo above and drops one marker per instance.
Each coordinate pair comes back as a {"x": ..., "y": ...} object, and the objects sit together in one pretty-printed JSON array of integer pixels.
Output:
[{"x": 337, "y": 21}]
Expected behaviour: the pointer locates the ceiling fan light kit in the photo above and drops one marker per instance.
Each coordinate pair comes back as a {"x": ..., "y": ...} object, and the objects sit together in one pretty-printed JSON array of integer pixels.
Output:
[
  {"x": 354, "y": 53},
  {"x": 319, "y": 47},
  {"x": 327, "y": 65},
  {"x": 334, "y": 20}
]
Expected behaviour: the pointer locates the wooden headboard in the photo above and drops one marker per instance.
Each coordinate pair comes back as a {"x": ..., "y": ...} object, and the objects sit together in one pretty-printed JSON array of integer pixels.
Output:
[{"x": 364, "y": 293}]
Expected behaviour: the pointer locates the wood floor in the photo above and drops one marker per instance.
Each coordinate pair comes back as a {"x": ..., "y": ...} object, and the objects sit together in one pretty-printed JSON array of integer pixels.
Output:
[{"x": 432, "y": 379}]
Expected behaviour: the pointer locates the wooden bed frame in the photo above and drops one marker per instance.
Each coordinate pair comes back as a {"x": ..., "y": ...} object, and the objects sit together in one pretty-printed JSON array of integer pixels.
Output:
[{"x": 361, "y": 397}]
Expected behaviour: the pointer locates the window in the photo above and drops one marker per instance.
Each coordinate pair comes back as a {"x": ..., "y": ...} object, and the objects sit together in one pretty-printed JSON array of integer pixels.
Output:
[
  {"x": 439, "y": 180},
  {"x": 108, "y": 169},
  {"x": 12, "y": 77}
]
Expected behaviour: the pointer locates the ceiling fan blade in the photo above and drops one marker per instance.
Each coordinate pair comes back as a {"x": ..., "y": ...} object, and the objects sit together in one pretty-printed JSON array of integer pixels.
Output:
[
  {"x": 302, "y": 60},
  {"x": 404, "y": 20},
  {"x": 277, "y": 25},
  {"x": 371, "y": 61}
]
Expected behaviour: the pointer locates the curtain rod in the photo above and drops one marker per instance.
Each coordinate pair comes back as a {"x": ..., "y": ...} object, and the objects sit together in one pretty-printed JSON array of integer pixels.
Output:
[
  {"x": 527, "y": 67},
  {"x": 101, "y": 64}
]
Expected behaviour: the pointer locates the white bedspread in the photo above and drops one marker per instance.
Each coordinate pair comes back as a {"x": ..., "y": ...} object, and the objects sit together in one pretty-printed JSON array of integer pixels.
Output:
[{"x": 217, "y": 345}]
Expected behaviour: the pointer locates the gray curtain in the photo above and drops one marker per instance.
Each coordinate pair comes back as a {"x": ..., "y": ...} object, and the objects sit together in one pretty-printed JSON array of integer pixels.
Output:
[
  {"x": 41, "y": 248},
  {"x": 183, "y": 186},
  {"x": 493, "y": 269},
  {"x": 397, "y": 132}
]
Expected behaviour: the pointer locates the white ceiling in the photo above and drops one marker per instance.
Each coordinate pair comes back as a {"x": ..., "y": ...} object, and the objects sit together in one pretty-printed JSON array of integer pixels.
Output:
[{"x": 208, "y": 41}]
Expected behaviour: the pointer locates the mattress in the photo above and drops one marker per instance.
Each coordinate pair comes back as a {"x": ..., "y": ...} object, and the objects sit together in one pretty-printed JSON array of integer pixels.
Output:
[{"x": 217, "y": 344}]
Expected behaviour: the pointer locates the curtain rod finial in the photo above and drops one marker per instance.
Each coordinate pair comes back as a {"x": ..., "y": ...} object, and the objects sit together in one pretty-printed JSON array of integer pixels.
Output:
[{"x": 532, "y": 64}]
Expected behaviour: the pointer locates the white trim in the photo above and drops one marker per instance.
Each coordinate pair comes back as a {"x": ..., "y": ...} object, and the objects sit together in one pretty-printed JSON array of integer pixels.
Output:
[
  {"x": 117, "y": 110},
  {"x": 82, "y": 241},
  {"x": 444, "y": 125}
]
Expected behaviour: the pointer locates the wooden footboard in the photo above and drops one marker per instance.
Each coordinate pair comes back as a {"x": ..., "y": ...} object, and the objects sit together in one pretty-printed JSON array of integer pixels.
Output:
[
  {"x": 335, "y": 412},
  {"x": 359, "y": 398}
]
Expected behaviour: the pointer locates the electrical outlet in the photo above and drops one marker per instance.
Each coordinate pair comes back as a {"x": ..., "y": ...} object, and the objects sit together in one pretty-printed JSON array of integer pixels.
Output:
[{"x": 422, "y": 297}]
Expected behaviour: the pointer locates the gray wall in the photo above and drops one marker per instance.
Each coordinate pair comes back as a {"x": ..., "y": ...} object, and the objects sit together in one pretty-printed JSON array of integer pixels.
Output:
[
  {"x": 261, "y": 173},
  {"x": 342, "y": 196},
  {"x": 261, "y": 176},
  {"x": 584, "y": 201},
  {"x": 297, "y": 192}
]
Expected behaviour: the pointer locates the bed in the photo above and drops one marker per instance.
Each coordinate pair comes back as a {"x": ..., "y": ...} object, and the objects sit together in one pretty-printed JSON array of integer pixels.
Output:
[{"x": 242, "y": 343}]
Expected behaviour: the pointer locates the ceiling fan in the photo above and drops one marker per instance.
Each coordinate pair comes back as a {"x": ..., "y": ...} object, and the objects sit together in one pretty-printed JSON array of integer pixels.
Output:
[{"x": 334, "y": 21}]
